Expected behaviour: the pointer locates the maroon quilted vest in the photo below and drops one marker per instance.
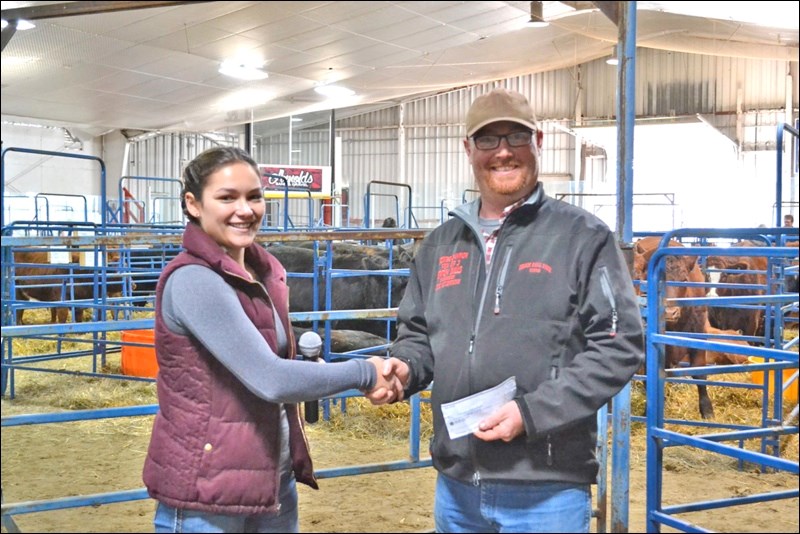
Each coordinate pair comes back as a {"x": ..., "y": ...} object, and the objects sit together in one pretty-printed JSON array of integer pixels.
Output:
[{"x": 215, "y": 445}]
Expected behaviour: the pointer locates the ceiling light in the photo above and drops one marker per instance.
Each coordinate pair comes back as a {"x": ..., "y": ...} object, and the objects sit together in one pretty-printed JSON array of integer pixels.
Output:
[
  {"x": 334, "y": 91},
  {"x": 243, "y": 99},
  {"x": 242, "y": 70},
  {"x": 537, "y": 16},
  {"x": 21, "y": 24},
  {"x": 15, "y": 61},
  {"x": 612, "y": 59}
]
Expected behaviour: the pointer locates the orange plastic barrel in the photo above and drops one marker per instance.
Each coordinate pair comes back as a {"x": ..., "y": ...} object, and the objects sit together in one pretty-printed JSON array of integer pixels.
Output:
[
  {"x": 757, "y": 377},
  {"x": 139, "y": 361}
]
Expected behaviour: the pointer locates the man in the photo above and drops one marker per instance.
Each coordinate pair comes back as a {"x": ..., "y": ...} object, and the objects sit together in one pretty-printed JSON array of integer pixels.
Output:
[
  {"x": 516, "y": 284},
  {"x": 788, "y": 221}
]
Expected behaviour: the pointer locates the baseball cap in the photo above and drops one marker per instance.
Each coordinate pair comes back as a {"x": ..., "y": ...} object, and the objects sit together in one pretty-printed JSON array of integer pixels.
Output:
[{"x": 499, "y": 105}]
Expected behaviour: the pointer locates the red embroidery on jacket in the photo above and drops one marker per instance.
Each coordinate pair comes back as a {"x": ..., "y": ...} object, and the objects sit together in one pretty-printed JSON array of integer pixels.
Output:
[
  {"x": 450, "y": 269},
  {"x": 535, "y": 267}
]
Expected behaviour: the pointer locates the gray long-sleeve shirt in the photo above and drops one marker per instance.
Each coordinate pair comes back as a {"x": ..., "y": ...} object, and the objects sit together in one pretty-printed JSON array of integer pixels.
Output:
[{"x": 199, "y": 302}]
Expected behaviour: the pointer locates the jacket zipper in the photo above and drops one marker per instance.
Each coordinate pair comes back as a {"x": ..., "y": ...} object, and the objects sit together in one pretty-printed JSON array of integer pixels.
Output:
[
  {"x": 501, "y": 282},
  {"x": 476, "y": 476},
  {"x": 553, "y": 376},
  {"x": 605, "y": 283}
]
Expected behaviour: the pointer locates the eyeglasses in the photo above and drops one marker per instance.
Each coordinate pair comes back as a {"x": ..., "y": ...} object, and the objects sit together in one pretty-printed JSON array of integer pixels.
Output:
[{"x": 514, "y": 139}]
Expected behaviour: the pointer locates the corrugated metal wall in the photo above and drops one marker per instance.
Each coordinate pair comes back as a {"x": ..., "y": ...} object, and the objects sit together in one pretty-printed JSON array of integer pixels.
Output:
[
  {"x": 671, "y": 84},
  {"x": 419, "y": 143},
  {"x": 155, "y": 167},
  {"x": 434, "y": 164},
  {"x": 370, "y": 153},
  {"x": 668, "y": 84}
]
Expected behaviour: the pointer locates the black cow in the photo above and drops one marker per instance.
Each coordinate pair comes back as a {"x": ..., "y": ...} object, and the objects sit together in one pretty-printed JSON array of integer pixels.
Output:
[
  {"x": 143, "y": 266},
  {"x": 352, "y": 292},
  {"x": 401, "y": 255}
]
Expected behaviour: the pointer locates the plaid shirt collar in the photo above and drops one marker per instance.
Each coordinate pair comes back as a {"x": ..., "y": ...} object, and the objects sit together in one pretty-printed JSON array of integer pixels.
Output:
[{"x": 490, "y": 238}]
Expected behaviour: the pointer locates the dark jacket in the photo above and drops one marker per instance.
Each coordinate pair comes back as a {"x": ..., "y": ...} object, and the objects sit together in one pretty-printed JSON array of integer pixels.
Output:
[
  {"x": 215, "y": 445},
  {"x": 555, "y": 308}
]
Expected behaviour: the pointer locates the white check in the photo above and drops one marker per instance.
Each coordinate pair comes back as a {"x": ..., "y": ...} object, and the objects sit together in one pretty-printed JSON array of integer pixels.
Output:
[{"x": 463, "y": 416}]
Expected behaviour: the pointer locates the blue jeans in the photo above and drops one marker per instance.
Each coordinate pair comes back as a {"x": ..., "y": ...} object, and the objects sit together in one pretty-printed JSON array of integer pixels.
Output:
[
  {"x": 169, "y": 519},
  {"x": 511, "y": 507}
]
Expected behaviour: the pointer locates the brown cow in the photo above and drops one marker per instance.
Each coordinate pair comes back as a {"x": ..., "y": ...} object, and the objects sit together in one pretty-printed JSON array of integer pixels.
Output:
[
  {"x": 749, "y": 321},
  {"x": 31, "y": 283},
  {"x": 691, "y": 319},
  {"x": 725, "y": 358},
  {"x": 642, "y": 252},
  {"x": 687, "y": 319},
  {"x": 793, "y": 281},
  {"x": 31, "y": 286}
]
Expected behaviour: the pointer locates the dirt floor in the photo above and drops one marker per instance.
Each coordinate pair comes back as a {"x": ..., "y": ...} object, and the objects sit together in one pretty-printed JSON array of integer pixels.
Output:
[{"x": 82, "y": 458}]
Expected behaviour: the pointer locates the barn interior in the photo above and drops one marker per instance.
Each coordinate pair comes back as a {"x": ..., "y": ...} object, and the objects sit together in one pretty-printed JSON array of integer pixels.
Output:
[{"x": 692, "y": 135}]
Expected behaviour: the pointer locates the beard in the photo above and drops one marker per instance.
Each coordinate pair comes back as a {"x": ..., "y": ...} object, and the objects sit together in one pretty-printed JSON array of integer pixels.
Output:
[{"x": 513, "y": 185}]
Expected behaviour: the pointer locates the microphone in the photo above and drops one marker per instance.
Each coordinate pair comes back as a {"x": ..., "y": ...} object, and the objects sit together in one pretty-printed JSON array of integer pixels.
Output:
[{"x": 310, "y": 345}]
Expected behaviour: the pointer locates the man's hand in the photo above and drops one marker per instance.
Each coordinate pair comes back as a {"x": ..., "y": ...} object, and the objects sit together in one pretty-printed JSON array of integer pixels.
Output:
[
  {"x": 392, "y": 379},
  {"x": 388, "y": 387},
  {"x": 506, "y": 424}
]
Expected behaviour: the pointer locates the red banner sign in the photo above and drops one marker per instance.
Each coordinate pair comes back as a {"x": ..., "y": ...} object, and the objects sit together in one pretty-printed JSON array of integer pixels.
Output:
[{"x": 296, "y": 177}]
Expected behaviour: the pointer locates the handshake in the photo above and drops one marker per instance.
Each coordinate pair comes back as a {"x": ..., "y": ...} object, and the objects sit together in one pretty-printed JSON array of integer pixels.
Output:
[{"x": 392, "y": 380}]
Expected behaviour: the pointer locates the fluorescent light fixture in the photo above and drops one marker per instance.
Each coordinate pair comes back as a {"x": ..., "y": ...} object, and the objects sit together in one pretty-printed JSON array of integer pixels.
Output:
[
  {"x": 21, "y": 24},
  {"x": 243, "y": 99},
  {"x": 537, "y": 16},
  {"x": 612, "y": 59},
  {"x": 16, "y": 61},
  {"x": 334, "y": 91},
  {"x": 242, "y": 70}
]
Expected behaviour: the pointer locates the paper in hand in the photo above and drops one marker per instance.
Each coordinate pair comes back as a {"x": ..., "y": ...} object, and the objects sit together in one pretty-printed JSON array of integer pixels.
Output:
[{"x": 463, "y": 416}]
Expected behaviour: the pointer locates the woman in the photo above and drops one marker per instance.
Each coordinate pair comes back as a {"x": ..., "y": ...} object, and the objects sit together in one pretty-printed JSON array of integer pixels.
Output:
[{"x": 228, "y": 442}]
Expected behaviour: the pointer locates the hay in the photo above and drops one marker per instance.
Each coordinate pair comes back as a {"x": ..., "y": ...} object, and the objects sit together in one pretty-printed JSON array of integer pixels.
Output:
[
  {"x": 733, "y": 406},
  {"x": 56, "y": 391},
  {"x": 48, "y": 392},
  {"x": 361, "y": 420},
  {"x": 389, "y": 423}
]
